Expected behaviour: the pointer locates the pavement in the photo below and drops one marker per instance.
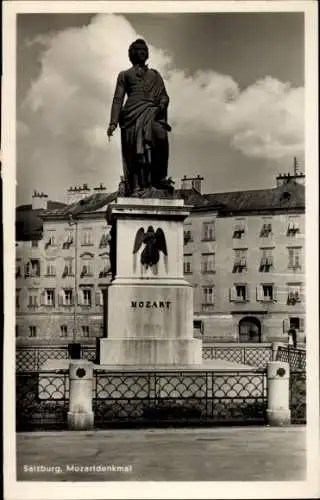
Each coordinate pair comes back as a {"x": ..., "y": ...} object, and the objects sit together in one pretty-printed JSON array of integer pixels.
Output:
[{"x": 202, "y": 454}]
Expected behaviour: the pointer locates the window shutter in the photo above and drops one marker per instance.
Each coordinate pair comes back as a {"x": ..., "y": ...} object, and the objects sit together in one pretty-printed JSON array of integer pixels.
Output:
[
  {"x": 247, "y": 293},
  {"x": 275, "y": 292},
  {"x": 259, "y": 293},
  {"x": 233, "y": 293},
  {"x": 98, "y": 299},
  {"x": 302, "y": 325},
  {"x": 80, "y": 298},
  {"x": 43, "y": 298},
  {"x": 286, "y": 325}
]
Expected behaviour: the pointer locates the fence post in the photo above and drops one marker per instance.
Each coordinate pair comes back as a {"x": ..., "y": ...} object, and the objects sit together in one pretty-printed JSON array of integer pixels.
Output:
[
  {"x": 80, "y": 414},
  {"x": 278, "y": 376},
  {"x": 275, "y": 346}
]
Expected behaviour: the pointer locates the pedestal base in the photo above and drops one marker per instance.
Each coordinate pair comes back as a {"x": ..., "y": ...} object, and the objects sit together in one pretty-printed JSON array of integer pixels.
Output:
[
  {"x": 278, "y": 418},
  {"x": 153, "y": 352},
  {"x": 80, "y": 421}
]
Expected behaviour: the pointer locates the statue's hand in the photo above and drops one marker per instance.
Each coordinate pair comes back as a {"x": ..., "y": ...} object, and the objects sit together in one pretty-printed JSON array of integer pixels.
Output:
[{"x": 110, "y": 131}]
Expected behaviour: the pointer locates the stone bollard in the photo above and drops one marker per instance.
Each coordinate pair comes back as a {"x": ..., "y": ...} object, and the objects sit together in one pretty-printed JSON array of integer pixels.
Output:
[
  {"x": 80, "y": 414},
  {"x": 275, "y": 347},
  {"x": 278, "y": 376}
]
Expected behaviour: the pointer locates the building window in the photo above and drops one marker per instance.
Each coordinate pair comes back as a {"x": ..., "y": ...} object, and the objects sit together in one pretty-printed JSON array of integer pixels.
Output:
[
  {"x": 239, "y": 292},
  {"x": 266, "y": 292},
  {"x": 51, "y": 270},
  {"x": 17, "y": 299},
  {"x": 297, "y": 323},
  {"x": 293, "y": 228},
  {"x": 266, "y": 260},
  {"x": 63, "y": 331},
  {"x": 32, "y": 331},
  {"x": 208, "y": 262},
  {"x": 208, "y": 297},
  {"x": 187, "y": 234},
  {"x": 266, "y": 230},
  {"x": 238, "y": 231},
  {"x": 68, "y": 297},
  {"x": 68, "y": 268},
  {"x": 86, "y": 297},
  {"x": 294, "y": 254},
  {"x": 208, "y": 233},
  {"x": 18, "y": 268},
  {"x": 50, "y": 297},
  {"x": 85, "y": 331},
  {"x": 240, "y": 261},
  {"x": 33, "y": 299},
  {"x": 50, "y": 240},
  {"x": 34, "y": 243},
  {"x": 32, "y": 269},
  {"x": 86, "y": 270},
  {"x": 87, "y": 237},
  {"x": 68, "y": 239},
  {"x": 294, "y": 293},
  {"x": 104, "y": 240},
  {"x": 187, "y": 263}
]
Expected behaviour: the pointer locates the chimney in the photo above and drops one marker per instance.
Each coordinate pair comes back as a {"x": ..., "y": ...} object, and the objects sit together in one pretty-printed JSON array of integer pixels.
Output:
[
  {"x": 77, "y": 193},
  {"x": 100, "y": 189},
  {"x": 39, "y": 201},
  {"x": 298, "y": 177},
  {"x": 192, "y": 183}
]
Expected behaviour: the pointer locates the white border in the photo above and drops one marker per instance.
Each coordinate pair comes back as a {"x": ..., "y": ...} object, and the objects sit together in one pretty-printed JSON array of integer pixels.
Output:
[{"x": 65, "y": 490}]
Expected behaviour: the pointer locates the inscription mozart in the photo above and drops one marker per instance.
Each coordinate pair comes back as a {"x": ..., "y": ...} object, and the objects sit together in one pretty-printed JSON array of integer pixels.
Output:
[{"x": 149, "y": 304}]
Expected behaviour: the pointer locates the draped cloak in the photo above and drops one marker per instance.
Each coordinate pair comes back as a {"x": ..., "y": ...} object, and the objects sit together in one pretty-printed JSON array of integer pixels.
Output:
[{"x": 143, "y": 127}]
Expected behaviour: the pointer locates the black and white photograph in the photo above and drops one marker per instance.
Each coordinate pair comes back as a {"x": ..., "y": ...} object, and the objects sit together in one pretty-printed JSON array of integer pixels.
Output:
[{"x": 160, "y": 176}]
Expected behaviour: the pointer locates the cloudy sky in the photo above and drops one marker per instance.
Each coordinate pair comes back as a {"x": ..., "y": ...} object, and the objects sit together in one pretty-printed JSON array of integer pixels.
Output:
[{"x": 236, "y": 84}]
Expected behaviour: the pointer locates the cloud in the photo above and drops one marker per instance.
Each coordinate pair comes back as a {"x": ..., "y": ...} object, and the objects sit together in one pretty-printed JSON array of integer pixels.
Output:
[{"x": 66, "y": 110}]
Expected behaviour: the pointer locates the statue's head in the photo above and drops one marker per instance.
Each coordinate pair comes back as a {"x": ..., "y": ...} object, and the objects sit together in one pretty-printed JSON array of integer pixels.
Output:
[{"x": 138, "y": 52}]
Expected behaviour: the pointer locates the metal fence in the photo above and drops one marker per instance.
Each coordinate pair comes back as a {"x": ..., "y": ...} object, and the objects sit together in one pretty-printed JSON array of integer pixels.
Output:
[
  {"x": 32, "y": 358},
  {"x": 257, "y": 355},
  {"x": 298, "y": 396},
  {"x": 179, "y": 398},
  {"x": 42, "y": 400},
  {"x": 296, "y": 358}
]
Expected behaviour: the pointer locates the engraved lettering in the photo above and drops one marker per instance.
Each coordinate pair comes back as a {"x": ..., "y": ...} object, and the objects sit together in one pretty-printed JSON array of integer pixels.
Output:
[
  {"x": 154, "y": 304},
  {"x": 148, "y": 304},
  {"x": 168, "y": 304},
  {"x": 141, "y": 304},
  {"x": 161, "y": 304},
  {"x": 133, "y": 304}
]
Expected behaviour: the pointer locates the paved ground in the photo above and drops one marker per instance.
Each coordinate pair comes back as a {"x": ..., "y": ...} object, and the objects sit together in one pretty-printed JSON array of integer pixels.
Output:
[{"x": 215, "y": 454}]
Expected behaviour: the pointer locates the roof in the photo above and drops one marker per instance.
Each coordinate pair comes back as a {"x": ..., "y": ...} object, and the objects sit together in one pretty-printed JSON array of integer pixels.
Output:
[{"x": 290, "y": 195}]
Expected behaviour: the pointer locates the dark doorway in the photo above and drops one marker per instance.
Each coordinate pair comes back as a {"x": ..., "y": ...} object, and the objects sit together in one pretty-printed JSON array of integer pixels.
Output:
[{"x": 249, "y": 329}]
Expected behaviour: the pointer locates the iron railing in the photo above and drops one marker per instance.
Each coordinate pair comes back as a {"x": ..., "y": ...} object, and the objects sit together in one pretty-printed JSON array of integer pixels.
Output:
[
  {"x": 296, "y": 357},
  {"x": 253, "y": 355},
  {"x": 298, "y": 396},
  {"x": 42, "y": 400},
  {"x": 32, "y": 358},
  {"x": 179, "y": 398}
]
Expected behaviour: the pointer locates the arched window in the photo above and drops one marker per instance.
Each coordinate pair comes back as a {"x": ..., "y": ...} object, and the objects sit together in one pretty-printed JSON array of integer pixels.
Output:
[{"x": 249, "y": 329}]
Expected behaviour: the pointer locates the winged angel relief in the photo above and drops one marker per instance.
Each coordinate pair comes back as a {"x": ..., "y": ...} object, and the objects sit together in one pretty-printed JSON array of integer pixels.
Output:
[{"x": 154, "y": 241}]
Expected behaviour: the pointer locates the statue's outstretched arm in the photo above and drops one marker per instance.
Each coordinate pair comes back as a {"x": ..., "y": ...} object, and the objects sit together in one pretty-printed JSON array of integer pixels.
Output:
[{"x": 118, "y": 99}]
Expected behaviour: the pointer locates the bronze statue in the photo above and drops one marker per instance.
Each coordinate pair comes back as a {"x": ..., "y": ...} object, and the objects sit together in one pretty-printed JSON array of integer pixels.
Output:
[
  {"x": 143, "y": 123},
  {"x": 154, "y": 242}
]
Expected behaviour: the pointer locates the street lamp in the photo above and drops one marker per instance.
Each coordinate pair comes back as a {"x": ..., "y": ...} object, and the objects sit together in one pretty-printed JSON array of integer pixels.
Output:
[{"x": 75, "y": 347}]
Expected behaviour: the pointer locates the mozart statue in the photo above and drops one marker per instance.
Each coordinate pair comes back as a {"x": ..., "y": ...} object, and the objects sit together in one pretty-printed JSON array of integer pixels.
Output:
[{"x": 142, "y": 119}]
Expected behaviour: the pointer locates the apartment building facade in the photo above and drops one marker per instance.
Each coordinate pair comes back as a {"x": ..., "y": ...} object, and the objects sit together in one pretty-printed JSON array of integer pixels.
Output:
[{"x": 243, "y": 254}]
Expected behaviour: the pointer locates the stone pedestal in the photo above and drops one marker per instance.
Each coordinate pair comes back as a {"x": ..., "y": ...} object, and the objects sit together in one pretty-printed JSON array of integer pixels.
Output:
[
  {"x": 150, "y": 310},
  {"x": 278, "y": 378}
]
